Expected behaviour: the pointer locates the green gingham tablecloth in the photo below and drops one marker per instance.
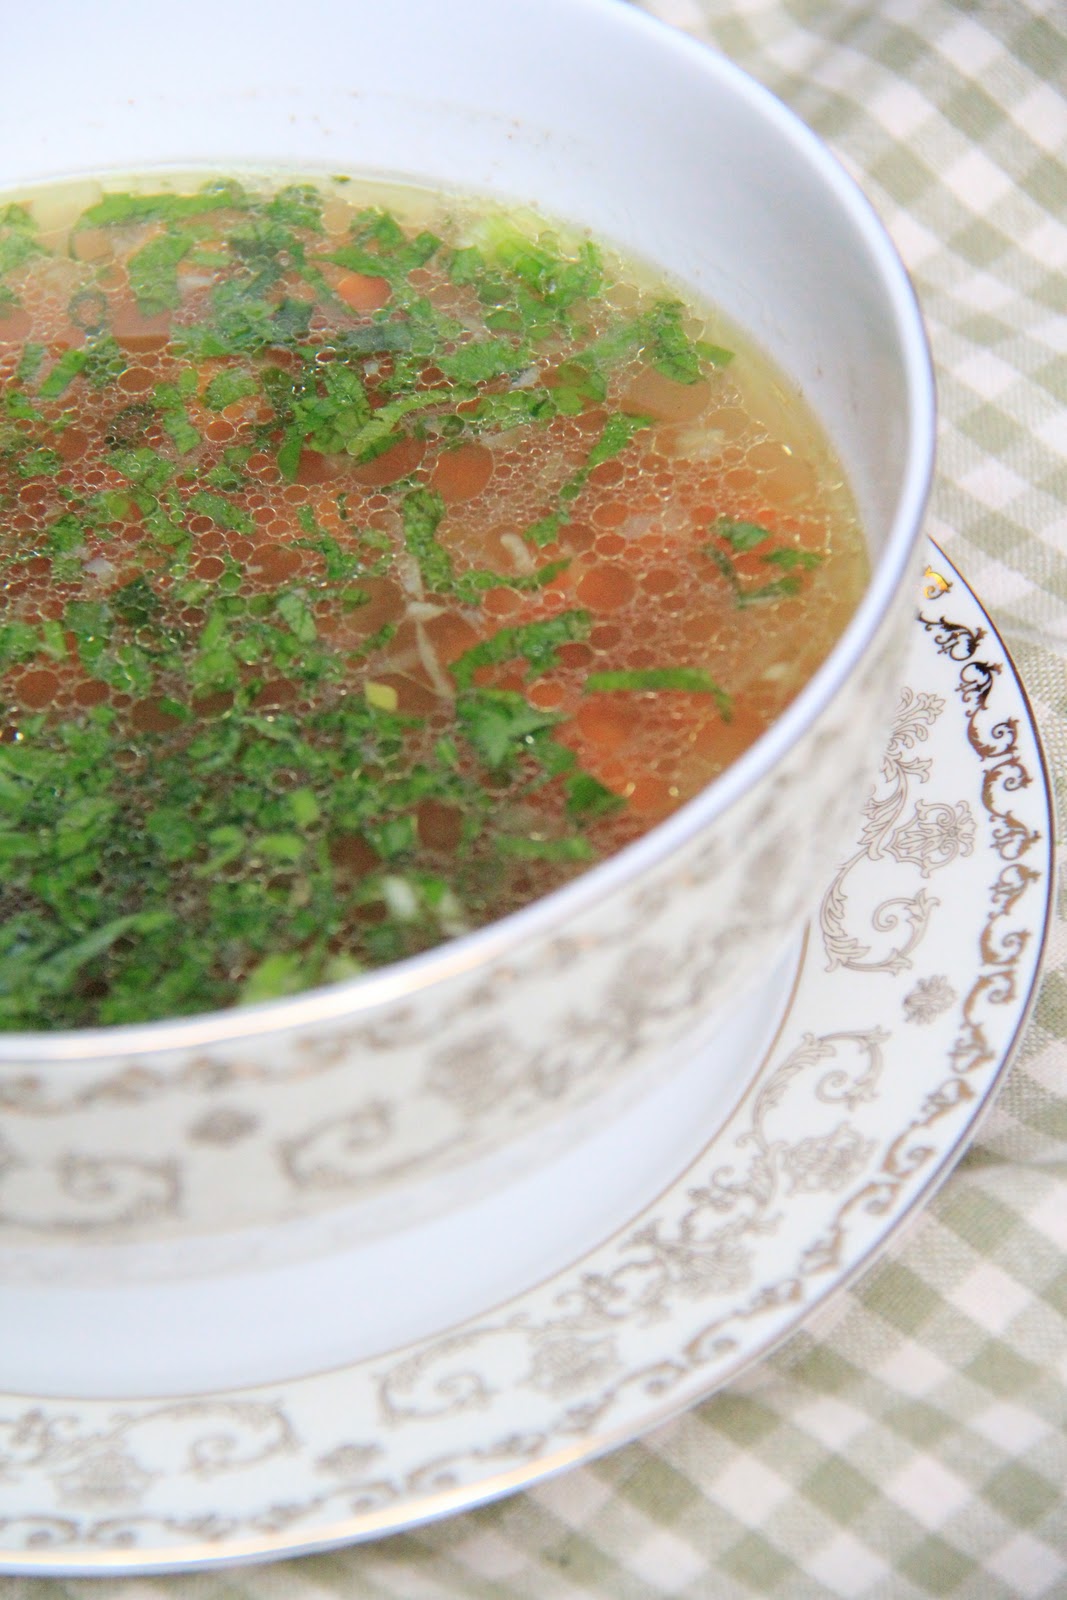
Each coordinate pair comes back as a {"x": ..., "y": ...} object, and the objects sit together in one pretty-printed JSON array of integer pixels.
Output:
[{"x": 912, "y": 1441}]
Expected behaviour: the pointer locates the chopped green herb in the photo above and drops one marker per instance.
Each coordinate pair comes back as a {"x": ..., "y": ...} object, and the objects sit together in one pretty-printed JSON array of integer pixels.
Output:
[
  {"x": 18, "y": 239},
  {"x": 65, "y": 370},
  {"x": 501, "y": 724},
  {"x": 154, "y": 273},
  {"x": 792, "y": 558},
  {"x": 38, "y": 463},
  {"x": 228, "y": 386},
  {"x": 423, "y": 511},
  {"x": 654, "y": 680},
  {"x": 537, "y": 643},
  {"x": 123, "y": 209},
  {"x": 615, "y": 435},
  {"x": 745, "y": 537},
  {"x": 205, "y": 503},
  {"x": 304, "y": 731},
  {"x": 741, "y": 536},
  {"x": 483, "y": 360}
]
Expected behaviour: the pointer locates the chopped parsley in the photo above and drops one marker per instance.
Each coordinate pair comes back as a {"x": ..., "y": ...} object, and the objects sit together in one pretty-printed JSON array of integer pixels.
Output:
[
  {"x": 284, "y": 698},
  {"x": 655, "y": 680},
  {"x": 734, "y": 539}
]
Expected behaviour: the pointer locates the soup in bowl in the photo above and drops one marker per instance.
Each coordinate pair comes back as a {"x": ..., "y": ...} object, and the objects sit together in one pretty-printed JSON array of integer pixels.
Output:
[{"x": 411, "y": 462}]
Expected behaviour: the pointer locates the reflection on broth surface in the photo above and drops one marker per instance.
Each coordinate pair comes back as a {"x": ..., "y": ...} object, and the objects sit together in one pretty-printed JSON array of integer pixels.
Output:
[{"x": 372, "y": 562}]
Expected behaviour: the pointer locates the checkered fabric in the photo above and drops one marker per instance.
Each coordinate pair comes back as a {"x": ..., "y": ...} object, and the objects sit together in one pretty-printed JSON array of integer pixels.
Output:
[{"x": 911, "y": 1442}]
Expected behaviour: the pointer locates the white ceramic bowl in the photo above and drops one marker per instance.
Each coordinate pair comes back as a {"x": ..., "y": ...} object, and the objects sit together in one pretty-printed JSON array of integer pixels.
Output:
[{"x": 417, "y": 1085}]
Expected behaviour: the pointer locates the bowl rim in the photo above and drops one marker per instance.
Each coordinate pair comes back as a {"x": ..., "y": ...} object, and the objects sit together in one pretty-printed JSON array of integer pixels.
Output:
[{"x": 371, "y": 991}]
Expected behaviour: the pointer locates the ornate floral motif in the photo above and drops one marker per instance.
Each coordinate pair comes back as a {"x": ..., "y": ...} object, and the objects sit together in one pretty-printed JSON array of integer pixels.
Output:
[
  {"x": 934, "y": 836},
  {"x": 995, "y": 740},
  {"x": 348, "y": 1460},
  {"x": 935, "y": 584},
  {"x": 223, "y": 1126},
  {"x": 113, "y": 1468},
  {"x": 82, "y": 1195},
  {"x": 338, "y": 1152},
  {"x": 570, "y": 1364},
  {"x": 929, "y": 999},
  {"x": 105, "y": 1478},
  {"x": 827, "y": 1162},
  {"x": 930, "y": 838}
]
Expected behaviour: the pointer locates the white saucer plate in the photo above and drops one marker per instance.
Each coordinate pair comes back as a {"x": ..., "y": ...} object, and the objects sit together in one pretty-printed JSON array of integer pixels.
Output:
[{"x": 914, "y": 985}]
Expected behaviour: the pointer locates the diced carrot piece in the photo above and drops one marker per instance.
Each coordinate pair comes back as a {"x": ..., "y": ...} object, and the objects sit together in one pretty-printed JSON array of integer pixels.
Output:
[{"x": 461, "y": 474}]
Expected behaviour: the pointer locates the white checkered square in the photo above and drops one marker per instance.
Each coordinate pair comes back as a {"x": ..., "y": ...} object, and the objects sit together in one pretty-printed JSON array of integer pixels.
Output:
[
  {"x": 1011, "y": 1428},
  {"x": 1053, "y": 432},
  {"x": 917, "y": 243},
  {"x": 912, "y": 1370},
  {"x": 901, "y": 109},
  {"x": 976, "y": 181},
  {"x": 490, "y": 1555},
  {"x": 984, "y": 292},
  {"x": 1032, "y": 1570},
  {"x": 668, "y": 1561},
  {"x": 1049, "y": 1214},
  {"x": 1043, "y": 118},
  {"x": 1045, "y": 241},
  {"x": 575, "y": 1497},
  {"x": 986, "y": 374},
  {"x": 846, "y": 1568},
  {"x": 834, "y": 1423},
  {"x": 969, "y": 47},
  {"x": 990, "y": 1297},
  {"x": 747, "y": 1484},
  {"x": 928, "y": 1491},
  {"x": 994, "y": 484}
]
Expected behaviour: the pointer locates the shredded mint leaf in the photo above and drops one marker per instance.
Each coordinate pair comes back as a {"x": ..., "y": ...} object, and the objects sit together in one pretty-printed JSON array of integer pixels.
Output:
[
  {"x": 546, "y": 529},
  {"x": 298, "y": 205},
  {"x": 615, "y": 435},
  {"x": 39, "y": 463},
  {"x": 18, "y": 238},
  {"x": 379, "y": 432},
  {"x": 482, "y": 360},
  {"x": 780, "y": 589},
  {"x": 228, "y": 386},
  {"x": 716, "y": 354},
  {"x": 530, "y": 849},
  {"x": 741, "y": 536},
  {"x": 667, "y": 345},
  {"x": 29, "y": 363},
  {"x": 791, "y": 558},
  {"x": 512, "y": 409},
  {"x": 142, "y": 465},
  {"x": 470, "y": 585},
  {"x": 18, "y": 642},
  {"x": 63, "y": 373},
  {"x": 653, "y": 680},
  {"x": 501, "y": 724},
  {"x": 537, "y": 643},
  {"x": 105, "y": 361},
  {"x": 122, "y": 209},
  {"x": 296, "y": 612},
  {"x": 539, "y": 265},
  {"x": 423, "y": 511},
  {"x": 204, "y": 503},
  {"x": 153, "y": 273},
  {"x": 588, "y": 798}
]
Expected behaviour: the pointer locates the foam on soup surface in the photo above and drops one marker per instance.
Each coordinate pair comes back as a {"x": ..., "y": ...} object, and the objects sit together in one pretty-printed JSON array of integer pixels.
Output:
[{"x": 371, "y": 563}]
